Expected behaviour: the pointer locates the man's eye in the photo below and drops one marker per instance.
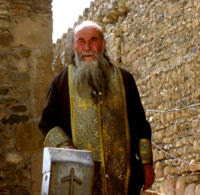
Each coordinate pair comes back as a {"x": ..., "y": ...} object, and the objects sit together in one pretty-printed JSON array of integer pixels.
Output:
[
  {"x": 94, "y": 38},
  {"x": 81, "y": 41}
]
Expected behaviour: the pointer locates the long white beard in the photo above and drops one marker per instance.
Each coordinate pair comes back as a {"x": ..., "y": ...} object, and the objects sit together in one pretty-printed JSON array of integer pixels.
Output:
[{"x": 91, "y": 77}]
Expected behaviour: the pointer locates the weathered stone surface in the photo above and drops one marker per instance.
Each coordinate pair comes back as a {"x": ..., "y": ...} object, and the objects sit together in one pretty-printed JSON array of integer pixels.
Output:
[
  {"x": 25, "y": 26},
  {"x": 14, "y": 118},
  {"x": 3, "y": 91},
  {"x": 190, "y": 189},
  {"x": 180, "y": 186},
  {"x": 25, "y": 52},
  {"x": 5, "y": 38},
  {"x": 36, "y": 171},
  {"x": 22, "y": 67},
  {"x": 197, "y": 190},
  {"x": 41, "y": 67},
  {"x": 192, "y": 178},
  {"x": 19, "y": 108},
  {"x": 193, "y": 166},
  {"x": 36, "y": 27},
  {"x": 16, "y": 76},
  {"x": 159, "y": 169},
  {"x": 7, "y": 101},
  {"x": 156, "y": 40},
  {"x": 13, "y": 158},
  {"x": 28, "y": 137},
  {"x": 170, "y": 185}
]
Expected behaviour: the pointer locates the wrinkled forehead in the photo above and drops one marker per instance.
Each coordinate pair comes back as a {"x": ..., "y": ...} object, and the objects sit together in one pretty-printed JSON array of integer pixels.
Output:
[
  {"x": 87, "y": 32},
  {"x": 87, "y": 24},
  {"x": 88, "y": 27}
]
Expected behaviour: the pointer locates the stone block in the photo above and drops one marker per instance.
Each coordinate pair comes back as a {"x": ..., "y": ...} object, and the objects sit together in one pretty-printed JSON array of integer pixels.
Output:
[
  {"x": 28, "y": 137},
  {"x": 5, "y": 38},
  {"x": 167, "y": 171},
  {"x": 22, "y": 66},
  {"x": 19, "y": 77},
  {"x": 190, "y": 189},
  {"x": 193, "y": 166},
  {"x": 4, "y": 23},
  {"x": 168, "y": 140},
  {"x": 3, "y": 91},
  {"x": 19, "y": 108},
  {"x": 20, "y": 190},
  {"x": 195, "y": 123},
  {"x": 187, "y": 150},
  {"x": 40, "y": 82},
  {"x": 196, "y": 145},
  {"x": 13, "y": 158},
  {"x": 38, "y": 34},
  {"x": 180, "y": 151},
  {"x": 197, "y": 189},
  {"x": 159, "y": 170},
  {"x": 14, "y": 118},
  {"x": 7, "y": 101},
  {"x": 170, "y": 185},
  {"x": 25, "y": 52},
  {"x": 180, "y": 186},
  {"x": 36, "y": 170}
]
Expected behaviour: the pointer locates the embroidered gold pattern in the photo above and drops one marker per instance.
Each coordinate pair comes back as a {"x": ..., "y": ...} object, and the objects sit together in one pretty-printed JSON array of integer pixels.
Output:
[
  {"x": 145, "y": 151},
  {"x": 97, "y": 129}
]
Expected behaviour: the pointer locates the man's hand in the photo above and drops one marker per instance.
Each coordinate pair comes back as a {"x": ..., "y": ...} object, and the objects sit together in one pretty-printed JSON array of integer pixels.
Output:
[
  {"x": 149, "y": 176},
  {"x": 69, "y": 147}
]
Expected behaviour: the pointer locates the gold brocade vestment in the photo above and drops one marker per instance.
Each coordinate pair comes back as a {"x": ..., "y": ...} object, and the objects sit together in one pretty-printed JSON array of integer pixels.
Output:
[{"x": 102, "y": 128}]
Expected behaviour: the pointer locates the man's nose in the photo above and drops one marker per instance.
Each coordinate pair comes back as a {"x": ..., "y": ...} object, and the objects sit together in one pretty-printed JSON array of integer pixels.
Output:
[{"x": 87, "y": 46}]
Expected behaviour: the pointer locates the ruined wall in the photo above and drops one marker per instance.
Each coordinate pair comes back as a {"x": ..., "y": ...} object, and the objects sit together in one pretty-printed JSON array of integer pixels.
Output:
[
  {"x": 159, "y": 42},
  {"x": 25, "y": 73}
]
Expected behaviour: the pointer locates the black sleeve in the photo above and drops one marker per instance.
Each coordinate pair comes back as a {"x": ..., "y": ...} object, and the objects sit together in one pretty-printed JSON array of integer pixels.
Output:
[
  {"x": 57, "y": 107},
  {"x": 139, "y": 128},
  {"x": 50, "y": 115},
  {"x": 138, "y": 125}
]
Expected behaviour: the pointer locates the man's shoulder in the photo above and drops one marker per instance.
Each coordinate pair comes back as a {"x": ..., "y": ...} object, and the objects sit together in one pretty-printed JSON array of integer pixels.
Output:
[
  {"x": 61, "y": 76},
  {"x": 125, "y": 73}
]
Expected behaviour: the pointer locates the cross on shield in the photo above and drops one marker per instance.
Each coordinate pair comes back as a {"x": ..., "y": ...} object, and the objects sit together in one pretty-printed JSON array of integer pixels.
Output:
[
  {"x": 71, "y": 178},
  {"x": 76, "y": 164}
]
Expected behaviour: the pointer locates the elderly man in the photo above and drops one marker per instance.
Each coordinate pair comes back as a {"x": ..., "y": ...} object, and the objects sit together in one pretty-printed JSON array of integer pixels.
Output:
[{"x": 94, "y": 105}]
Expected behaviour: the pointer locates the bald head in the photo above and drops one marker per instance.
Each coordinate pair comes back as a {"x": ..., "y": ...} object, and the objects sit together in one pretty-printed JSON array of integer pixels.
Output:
[{"x": 88, "y": 23}]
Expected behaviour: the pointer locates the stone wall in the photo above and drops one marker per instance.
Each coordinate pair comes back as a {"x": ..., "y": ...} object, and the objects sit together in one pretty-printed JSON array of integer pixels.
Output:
[
  {"x": 25, "y": 73},
  {"x": 159, "y": 42}
]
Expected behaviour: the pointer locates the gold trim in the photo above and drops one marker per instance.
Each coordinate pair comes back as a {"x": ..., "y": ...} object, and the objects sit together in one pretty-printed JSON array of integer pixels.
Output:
[
  {"x": 100, "y": 110},
  {"x": 100, "y": 107},
  {"x": 145, "y": 151},
  {"x": 56, "y": 137},
  {"x": 127, "y": 130},
  {"x": 70, "y": 83},
  {"x": 64, "y": 144}
]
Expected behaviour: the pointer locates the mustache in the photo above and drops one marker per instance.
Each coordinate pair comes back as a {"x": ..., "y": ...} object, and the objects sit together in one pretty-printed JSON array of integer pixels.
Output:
[{"x": 84, "y": 53}]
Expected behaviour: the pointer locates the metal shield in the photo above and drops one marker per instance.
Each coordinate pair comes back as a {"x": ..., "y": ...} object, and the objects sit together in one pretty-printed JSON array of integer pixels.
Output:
[{"x": 67, "y": 172}]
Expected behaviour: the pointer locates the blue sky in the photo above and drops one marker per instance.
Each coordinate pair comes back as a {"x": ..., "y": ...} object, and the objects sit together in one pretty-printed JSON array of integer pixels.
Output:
[{"x": 65, "y": 13}]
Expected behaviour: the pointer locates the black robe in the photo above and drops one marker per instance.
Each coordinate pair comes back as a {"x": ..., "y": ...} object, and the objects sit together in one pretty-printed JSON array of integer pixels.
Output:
[{"x": 57, "y": 113}]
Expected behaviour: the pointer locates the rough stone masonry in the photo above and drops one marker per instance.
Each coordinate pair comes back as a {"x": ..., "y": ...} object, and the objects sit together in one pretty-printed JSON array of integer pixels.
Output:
[
  {"x": 25, "y": 73},
  {"x": 158, "y": 41}
]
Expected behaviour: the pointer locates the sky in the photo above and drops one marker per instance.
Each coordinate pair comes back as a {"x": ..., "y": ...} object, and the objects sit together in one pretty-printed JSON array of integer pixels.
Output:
[{"x": 65, "y": 14}]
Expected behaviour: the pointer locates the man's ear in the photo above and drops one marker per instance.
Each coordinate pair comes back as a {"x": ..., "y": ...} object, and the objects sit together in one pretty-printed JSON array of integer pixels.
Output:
[
  {"x": 72, "y": 46},
  {"x": 104, "y": 46}
]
